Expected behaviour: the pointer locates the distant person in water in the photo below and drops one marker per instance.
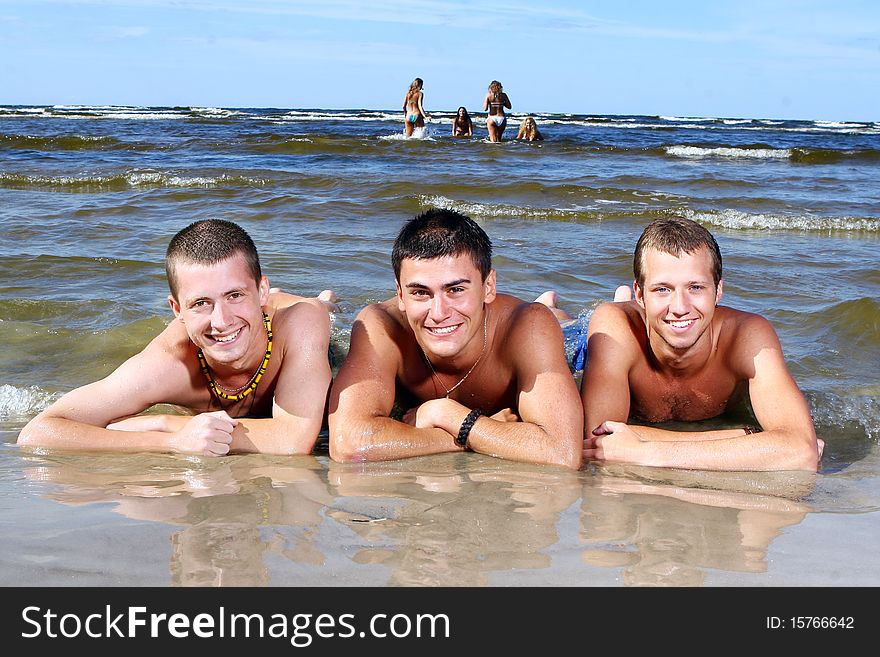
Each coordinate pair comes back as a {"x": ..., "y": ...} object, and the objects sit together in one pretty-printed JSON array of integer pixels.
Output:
[
  {"x": 252, "y": 375},
  {"x": 528, "y": 130},
  {"x": 414, "y": 115},
  {"x": 469, "y": 369},
  {"x": 495, "y": 102},
  {"x": 674, "y": 354},
  {"x": 462, "y": 126}
]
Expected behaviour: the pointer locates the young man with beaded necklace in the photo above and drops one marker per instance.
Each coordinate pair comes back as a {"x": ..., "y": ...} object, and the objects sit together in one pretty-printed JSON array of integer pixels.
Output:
[
  {"x": 477, "y": 370},
  {"x": 253, "y": 376}
]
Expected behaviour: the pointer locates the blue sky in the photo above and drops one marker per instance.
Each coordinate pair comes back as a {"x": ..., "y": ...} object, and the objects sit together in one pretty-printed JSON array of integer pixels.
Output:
[{"x": 747, "y": 58}]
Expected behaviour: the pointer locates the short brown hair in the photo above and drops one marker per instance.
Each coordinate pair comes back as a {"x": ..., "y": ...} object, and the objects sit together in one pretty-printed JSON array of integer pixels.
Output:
[
  {"x": 208, "y": 242},
  {"x": 439, "y": 232},
  {"x": 675, "y": 235}
]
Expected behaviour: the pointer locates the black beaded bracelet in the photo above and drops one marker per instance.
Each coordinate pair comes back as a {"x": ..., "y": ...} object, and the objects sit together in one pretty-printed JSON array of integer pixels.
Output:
[{"x": 466, "y": 426}]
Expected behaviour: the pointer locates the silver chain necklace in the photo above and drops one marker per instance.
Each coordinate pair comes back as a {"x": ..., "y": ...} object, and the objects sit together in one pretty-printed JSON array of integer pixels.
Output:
[{"x": 473, "y": 367}]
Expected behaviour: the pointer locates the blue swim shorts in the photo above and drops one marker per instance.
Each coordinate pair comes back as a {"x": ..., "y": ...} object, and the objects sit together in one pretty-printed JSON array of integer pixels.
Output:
[{"x": 575, "y": 336}]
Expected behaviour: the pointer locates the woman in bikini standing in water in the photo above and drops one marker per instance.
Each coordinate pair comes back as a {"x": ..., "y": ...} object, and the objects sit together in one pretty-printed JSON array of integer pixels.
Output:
[
  {"x": 413, "y": 113},
  {"x": 496, "y": 101}
]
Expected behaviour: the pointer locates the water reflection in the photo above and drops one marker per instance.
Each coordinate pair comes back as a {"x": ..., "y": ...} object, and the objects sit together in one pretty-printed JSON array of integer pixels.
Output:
[
  {"x": 454, "y": 526},
  {"x": 444, "y": 520},
  {"x": 234, "y": 512},
  {"x": 665, "y": 527}
]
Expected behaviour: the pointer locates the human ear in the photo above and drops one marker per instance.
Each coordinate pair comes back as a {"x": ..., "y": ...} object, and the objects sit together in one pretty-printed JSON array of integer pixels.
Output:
[
  {"x": 175, "y": 307},
  {"x": 400, "y": 305},
  {"x": 640, "y": 294},
  {"x": 489, "y": 287}
]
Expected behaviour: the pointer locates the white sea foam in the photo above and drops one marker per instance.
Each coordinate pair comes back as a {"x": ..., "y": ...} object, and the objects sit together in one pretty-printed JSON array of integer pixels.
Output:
[
  {"x": 738, "y": 220},
  {"x": 486, "y": 210},
  {"x": 23, "y": 403},
  {"x": 215, "y": 111},
  {"x": 686, "y": 118},
  {"x": 752, "y": 153},
  {"x": 302, "y": 115},
  {"x": 833, "y": 410},
  {"x": 421, "y": 134},
  {"x": 23, "y": 110},
  {"x": 170, "y": 180},
  {"x": 736, "y": 121},
  {"x": 839, "y": 124}
]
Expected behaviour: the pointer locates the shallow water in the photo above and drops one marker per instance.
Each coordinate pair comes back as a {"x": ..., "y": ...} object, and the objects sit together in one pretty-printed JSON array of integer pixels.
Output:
[{"x": 90, "y": 196}]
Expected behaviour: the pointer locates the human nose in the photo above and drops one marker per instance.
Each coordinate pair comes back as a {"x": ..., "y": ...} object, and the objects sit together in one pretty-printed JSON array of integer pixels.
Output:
[
  {"x": 220, "y": 316},
  {"x": 678, "y": 304},
  {"x": 439, "y": 308}
]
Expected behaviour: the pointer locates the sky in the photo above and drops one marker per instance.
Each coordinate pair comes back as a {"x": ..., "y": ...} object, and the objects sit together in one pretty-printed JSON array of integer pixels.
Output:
[{"x": 787, "y": 59}]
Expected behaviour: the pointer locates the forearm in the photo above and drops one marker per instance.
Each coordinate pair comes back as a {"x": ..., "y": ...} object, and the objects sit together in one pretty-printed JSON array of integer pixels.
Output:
[
  {"x": 523, "y": 441},
  {"x": 518, "y": 441},
  {"x": 657, "y": 434},
  {"x": 62, "y": 433},
  {"x": 764, "y": 451},
  {"x": 383, "y": 438},
  {"x": 285, "y": 436}
]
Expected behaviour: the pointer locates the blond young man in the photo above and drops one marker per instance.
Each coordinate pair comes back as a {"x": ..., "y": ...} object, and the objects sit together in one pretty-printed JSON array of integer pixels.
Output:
[{"x": 674, "y": 354}]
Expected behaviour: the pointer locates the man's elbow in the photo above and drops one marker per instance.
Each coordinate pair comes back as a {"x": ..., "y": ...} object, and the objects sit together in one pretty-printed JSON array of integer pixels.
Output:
[
  {"x": 804, "y": 453},
  {"x": 572, "y": 461},
  {"x": 33, "y": 434},
  {"x": 808, "y": 456},
  {"x": 568, "y": 455},
  {"x": 342, "y": 448}
]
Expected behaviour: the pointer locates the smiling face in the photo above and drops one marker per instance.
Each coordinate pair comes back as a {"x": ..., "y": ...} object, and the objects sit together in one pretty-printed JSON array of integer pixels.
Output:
[
  {"x": 221, "y": 306},
  {"x": 679, "y": 298},
  {"x": 443, "y": 300}
]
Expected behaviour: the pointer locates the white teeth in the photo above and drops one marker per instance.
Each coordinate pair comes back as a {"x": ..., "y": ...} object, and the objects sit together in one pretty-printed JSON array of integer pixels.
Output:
[
  {"x": 442, "y": 330},
  {"x": 682, "y": 324},
  {"x": 228, "y": 338}
]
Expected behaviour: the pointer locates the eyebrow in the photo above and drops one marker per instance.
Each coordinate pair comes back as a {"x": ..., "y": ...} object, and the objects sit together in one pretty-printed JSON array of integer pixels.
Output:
[
  {"x": 422, "y": 286},
  {"x": 701, "y": 281},
  {"x": 224, "y": 294}
]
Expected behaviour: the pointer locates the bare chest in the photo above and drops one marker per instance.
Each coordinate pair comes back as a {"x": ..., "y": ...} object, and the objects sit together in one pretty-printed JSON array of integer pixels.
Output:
[
  {"x": 488, "y": 387},
  {"x": 656, "y": 397}
]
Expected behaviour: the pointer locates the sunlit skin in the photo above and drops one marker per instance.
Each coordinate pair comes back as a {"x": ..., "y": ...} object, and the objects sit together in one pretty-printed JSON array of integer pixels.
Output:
[
  {"x": 221, "y": 306},
  {"x": 444, "y": 303},
  {"x": 515, "y": 373},
  {"x": 218, "y": 309},
  {"x": 679, "y": 298},
  {"x": 674, "y": 354}
]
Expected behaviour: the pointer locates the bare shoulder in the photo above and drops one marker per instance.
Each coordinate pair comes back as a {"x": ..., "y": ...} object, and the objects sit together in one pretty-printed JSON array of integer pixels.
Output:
[
  {"x": 301, "y": 317},
  {"x": 380, "y": 328},
  {"x": 744, "y": 336},
  {"x": 623, "y": 319},
  {"x": 741, "y": 329},
  {"x": 384, "y": 316},
  {"x": 525, "y": 324},
  {"x": 172, "y": 344}
]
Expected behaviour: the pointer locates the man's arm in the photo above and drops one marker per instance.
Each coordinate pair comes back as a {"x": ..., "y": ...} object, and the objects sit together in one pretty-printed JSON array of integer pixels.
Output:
[
  {"x": 611, "y": 351},
  {"x": 363, "y": 395},
  {"x": 300, "y": 389},
  {"x": 788, "y": 441},
  {"x": 79, "y": 419},
  {"x": 551, "y": 426},
  {"x": 552, "y": 423}
]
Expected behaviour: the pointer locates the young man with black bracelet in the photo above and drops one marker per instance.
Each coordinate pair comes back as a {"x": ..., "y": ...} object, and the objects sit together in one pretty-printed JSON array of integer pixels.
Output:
[{"x": 477, "y": 370}]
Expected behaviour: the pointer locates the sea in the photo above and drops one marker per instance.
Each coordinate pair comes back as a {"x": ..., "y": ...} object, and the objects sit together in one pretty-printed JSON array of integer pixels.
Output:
[{"x": 91, "y": 195}]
